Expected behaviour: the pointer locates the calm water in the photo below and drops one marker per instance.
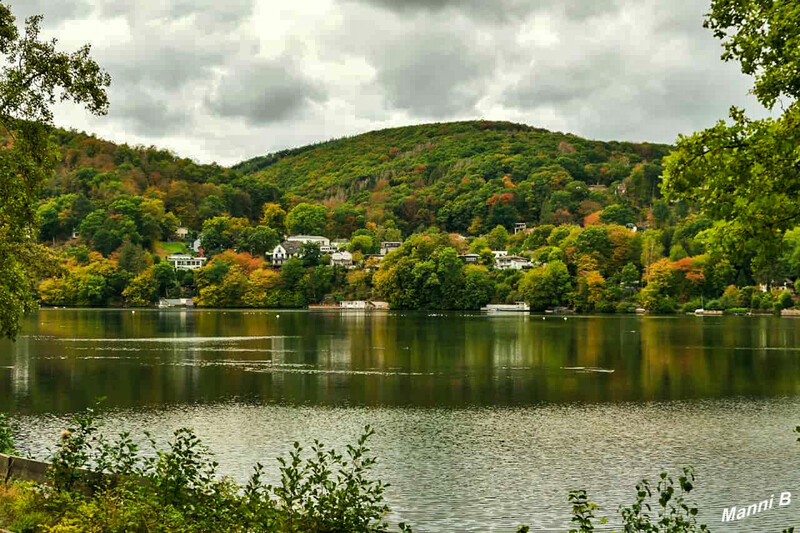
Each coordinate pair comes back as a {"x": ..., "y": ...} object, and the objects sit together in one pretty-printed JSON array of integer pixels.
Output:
[{"x": 483, "y": 422}]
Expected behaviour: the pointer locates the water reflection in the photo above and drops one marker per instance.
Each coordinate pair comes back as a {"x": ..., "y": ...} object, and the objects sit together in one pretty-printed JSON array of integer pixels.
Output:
[
  {"x": 69, "y": 357},
  {"x": 469, "y": 408}
]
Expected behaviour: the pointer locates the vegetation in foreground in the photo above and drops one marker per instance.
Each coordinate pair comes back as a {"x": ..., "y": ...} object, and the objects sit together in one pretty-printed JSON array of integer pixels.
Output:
[{"x": 176, "y": 489}]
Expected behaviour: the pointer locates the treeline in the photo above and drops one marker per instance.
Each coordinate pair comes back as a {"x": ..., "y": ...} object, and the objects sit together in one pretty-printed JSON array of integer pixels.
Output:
[{"x": 600, "y": 238}]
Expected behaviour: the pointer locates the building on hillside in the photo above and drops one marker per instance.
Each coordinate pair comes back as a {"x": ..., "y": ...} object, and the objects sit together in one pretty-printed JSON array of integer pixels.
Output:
[
  {"x": 470, "y": 258},
  {"x": 511, "y": 262},
  {"x": 335, "y": 246},
  {"x": 196, "y": 246},
  {"x": 284, "y": 251},
  {"x": 303, "y": 239},
  {"x": 186, "y": 261},
  {"x": 344, "y": 259},
  {"x": 499, "y": 253},
  {"x": 520, "y": 226},
  {"x": 75, "y": 233},
  {"x": 390, "y": 246},
  {"x": 182, "y": 233}
]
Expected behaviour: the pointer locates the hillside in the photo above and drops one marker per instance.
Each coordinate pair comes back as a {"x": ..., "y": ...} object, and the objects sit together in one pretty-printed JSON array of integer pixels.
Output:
[
  {"x": 463, "y": 177},
  {"x": 450, "y": 174}
]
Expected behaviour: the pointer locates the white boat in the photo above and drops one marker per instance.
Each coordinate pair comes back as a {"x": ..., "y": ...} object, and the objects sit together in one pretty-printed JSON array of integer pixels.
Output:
[{"x": 518, "y": 307}]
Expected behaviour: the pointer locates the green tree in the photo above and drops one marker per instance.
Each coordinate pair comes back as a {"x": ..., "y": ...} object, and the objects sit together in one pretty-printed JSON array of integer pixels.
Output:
[
  {"x": 618, "y": 214},
  {"x": 274, "y": 216},
  {"x": 478, "y": 288},
  {"x": 309, "y": 254},
  {"x": 362, "y": 243},
  {"x": 34, "y": 75},
  {"x": 142, "y": 290},
  {"x": 222, "y": 233},
  {"x": 307, "y": 219},
  {"x": 497, "y": 238},
  {"x": 133, "y": 258},
  {"x": 259, "y": 240},
  {"x": 546, "y": 286},
  {"x": 744, "y": 173},
  {"x": 164, "y": 276}
]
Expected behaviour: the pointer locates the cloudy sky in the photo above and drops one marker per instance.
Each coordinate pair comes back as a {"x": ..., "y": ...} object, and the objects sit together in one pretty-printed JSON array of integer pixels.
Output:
[{"x": 225, "y": 80}]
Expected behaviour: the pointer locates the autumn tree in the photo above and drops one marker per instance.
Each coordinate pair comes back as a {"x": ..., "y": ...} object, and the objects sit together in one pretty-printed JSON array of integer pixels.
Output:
[{"x": 34, "y": 76}]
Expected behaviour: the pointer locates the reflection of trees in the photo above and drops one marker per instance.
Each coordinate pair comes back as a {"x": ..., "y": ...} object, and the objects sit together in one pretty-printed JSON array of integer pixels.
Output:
[{"x": 391, "y": 359}]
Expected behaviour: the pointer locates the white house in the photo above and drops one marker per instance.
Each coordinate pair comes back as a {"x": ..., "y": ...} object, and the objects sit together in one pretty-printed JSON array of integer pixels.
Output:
[
  {"x": 520, "y": 226},
  {"x": 344, "y": 259},
  {"x": 302, "y": 239},
  {"x": 390, "y": 246},
  {"x": 284, "y": 251},
  {"x": 196, "y": 244},
  {"x": 511, "y": 262},
  {"x": 186, "y": 262},
  {"x": 182, "y": 232},
  {"x": 470, "y": 258},
  {"x": 499, "y": 253}
]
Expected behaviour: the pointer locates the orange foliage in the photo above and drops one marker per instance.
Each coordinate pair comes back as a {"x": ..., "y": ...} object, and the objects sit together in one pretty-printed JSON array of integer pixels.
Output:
[
  {"x": 504, "y": 198},
  {"x": 593, "y": 219},
  {"x": 243, "y": 260}
]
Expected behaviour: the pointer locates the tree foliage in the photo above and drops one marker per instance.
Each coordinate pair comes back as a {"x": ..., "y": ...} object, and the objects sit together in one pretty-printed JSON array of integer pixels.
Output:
[{"x": 34, "y": 76}]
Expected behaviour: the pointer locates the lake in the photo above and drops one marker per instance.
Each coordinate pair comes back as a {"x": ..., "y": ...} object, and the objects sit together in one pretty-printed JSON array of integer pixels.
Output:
[{"x": 483, "y": 422}]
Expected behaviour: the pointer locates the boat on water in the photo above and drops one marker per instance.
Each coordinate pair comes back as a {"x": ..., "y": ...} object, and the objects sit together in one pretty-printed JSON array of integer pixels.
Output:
[{"x": 518, "y": 307}]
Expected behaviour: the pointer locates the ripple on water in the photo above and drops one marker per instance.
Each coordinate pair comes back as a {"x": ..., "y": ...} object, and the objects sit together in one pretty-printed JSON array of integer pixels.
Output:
[{"x": 489, "y": 469}]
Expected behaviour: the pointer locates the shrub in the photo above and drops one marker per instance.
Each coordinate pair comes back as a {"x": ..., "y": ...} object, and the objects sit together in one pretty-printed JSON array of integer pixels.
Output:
[
  {"x": 101, "y": 485},
  {"x": 626, "y": 307},
  {"x": 736, "y": 311},
  {"x": 714, "y": 305},
  {"x": 6, "y": 436}
]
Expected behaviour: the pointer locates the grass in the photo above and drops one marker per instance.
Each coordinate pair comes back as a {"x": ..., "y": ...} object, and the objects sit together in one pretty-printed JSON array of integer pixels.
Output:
[{"x": 167, "y": 248}]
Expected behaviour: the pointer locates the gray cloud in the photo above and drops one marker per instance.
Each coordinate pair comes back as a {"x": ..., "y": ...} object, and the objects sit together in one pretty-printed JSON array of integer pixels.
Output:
[
  {"x": 263, "y": 91},
  {"x": 227, "y": 80},
  {"x": 151, "y": 115},
  {"x": 54, "y": 12},
  {"x": 494, "y": 11}
]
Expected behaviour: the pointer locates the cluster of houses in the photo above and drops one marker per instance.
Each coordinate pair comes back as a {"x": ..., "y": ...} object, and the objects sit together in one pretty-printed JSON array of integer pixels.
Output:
[
  {"x": 337, "y": 249},
  {"x": 502, "y": 261}
]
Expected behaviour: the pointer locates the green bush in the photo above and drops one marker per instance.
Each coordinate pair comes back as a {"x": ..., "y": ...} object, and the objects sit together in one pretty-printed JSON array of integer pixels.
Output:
[
  {"x": 692, "y": 305},
  {"x": 736, "y": 311},
  {"x": 714, "y": 305},
  {"x": 6, "y": 436},
  {"x": 626, "y": 308},
  {"x": 100, "y": 485}
]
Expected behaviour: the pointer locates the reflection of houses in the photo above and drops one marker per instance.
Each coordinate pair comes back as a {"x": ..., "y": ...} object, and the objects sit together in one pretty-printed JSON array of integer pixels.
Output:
[
  {"x": 175, "y": 302},
  {"x": 390, "y": 246},
  {"x": 511, "y": 262},
  {"x": 186, "y": 262},
  {"x": 367, "y": 305},
  {"x": 470, "y": 258},
  {"x": 344, "y": 259},
  {"x": 284, "y": 251}
]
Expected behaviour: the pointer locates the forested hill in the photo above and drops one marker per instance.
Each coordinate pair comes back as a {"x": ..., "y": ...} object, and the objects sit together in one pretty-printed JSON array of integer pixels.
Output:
[
  {"x": 465, "y": 177},
  {"x": 459, "y": 174}
]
